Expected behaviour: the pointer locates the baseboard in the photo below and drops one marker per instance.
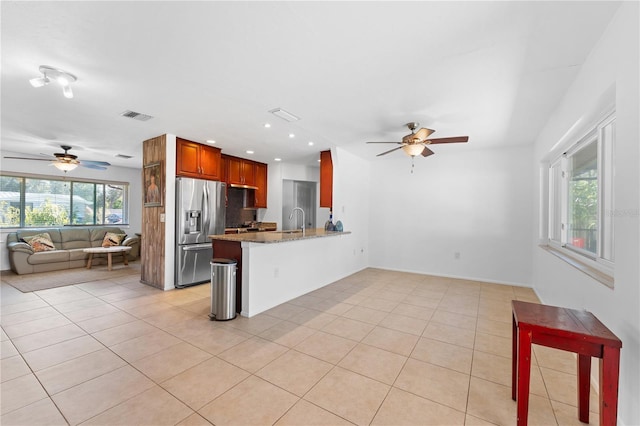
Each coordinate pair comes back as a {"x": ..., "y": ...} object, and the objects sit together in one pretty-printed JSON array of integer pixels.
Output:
[{"x": 458, "y": 277}]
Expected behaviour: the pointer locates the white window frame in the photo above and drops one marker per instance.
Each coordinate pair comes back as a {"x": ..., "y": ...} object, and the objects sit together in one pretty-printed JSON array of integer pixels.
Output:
[
  {"x": 125, "y": 213},
  {"x": 605, "y": 164}
]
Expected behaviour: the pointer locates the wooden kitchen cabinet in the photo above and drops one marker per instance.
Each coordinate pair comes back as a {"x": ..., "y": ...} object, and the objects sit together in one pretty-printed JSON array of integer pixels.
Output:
[
  {"x": 326, "y": 180},
  {"x": 243, "y": 173},
  {"x": 240, "y": 171},
  {"x": 198, "y": 161},
  {"x": 261, "y": 184}
]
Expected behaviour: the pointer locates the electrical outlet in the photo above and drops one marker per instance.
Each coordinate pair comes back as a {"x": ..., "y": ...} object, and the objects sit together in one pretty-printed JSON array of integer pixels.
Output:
[
  {"x": 162, "y": 217},
  {"x": 276, "y": 272},
  {"x": 456, "y": 255}
]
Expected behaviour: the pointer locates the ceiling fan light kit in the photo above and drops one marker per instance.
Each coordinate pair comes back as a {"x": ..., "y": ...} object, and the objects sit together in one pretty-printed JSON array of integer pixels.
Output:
[
  {"x": 65, "y": 167},
  {"x": 49, "y": 74},
  {"x": 413, "y": 150}
]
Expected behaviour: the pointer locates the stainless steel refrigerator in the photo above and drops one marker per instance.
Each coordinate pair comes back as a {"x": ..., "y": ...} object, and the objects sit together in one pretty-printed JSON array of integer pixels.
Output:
[{"x": 200, "y": 211}]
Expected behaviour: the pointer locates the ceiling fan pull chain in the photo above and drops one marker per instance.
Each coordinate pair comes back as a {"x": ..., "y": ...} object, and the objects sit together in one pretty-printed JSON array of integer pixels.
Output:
[{"x": 412, "y": 165}]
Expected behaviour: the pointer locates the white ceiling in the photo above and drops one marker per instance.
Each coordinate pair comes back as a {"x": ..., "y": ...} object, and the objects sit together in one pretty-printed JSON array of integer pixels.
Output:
[{"x": 353, "y": 72}]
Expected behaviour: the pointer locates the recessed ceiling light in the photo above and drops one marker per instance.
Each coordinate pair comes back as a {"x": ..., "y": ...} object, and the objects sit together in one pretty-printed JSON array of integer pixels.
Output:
[
  {"x": 291, "y": 135},
  {"x": 319, "y": 160},
  {"x": 267, "y": 125},
  {"x": 249, "y": 151},
  {"x": 211, "y": 141},
  {"x": 277, "y": 159},
  {"x": 310, "y": 143}
]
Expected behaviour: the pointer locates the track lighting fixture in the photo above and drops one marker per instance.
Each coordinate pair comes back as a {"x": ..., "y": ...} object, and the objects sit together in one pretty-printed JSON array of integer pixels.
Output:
[{"x": 50, "y": 74}]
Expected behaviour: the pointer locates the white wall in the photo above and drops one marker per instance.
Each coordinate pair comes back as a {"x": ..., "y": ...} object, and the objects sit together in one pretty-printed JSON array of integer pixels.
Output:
[
  {"x": 351, "y": 205},
  {"x": 473, "y": 202},
  {"x": 612, "y": 63},
  {"x": 113, "y": 173}
]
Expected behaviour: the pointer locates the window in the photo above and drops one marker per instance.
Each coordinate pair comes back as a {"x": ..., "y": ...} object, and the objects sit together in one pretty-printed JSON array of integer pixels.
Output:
[
  {"x": 581, "y": 196},
  {"x": 40, "y": 201}
]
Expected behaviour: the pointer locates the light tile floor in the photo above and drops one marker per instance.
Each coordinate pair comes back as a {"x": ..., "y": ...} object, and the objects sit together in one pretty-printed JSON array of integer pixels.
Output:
[{"x": 378, "y": 347}]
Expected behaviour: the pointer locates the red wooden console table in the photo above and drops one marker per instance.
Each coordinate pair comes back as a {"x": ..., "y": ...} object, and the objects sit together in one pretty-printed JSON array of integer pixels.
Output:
[{"x": 569, "y": 330}]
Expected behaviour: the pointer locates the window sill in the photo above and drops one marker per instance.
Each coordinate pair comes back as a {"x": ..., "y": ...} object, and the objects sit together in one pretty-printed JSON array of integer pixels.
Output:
[{"x": 594, "y": 273}]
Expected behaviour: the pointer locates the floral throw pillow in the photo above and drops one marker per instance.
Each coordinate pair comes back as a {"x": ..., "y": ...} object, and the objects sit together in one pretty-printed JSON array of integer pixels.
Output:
[
  {"x": 40, "y": 242},
  {"x": 112, "y": 239}
]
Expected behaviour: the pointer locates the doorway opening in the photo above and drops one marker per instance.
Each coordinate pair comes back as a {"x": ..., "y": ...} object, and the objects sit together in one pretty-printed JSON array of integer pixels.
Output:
[{"x": 298, "y": 193}]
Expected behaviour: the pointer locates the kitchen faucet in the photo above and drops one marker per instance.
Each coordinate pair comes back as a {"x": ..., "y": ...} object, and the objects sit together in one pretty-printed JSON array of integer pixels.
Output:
[{"x": 291, "y": 216}]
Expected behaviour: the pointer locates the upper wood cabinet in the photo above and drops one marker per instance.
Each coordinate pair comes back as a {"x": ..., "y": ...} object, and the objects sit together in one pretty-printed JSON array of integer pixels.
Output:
[
  {"x": 261, "y": 183},
  {"x": 241, "y": 171},
  {"x": 197, "y": 160},
  {"x": 326, "y": 180}
]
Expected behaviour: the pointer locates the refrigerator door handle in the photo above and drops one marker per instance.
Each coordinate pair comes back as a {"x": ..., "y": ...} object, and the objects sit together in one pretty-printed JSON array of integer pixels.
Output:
[
  {"x": 205, "y": 209},
  {"x": 196, "y": 247}
]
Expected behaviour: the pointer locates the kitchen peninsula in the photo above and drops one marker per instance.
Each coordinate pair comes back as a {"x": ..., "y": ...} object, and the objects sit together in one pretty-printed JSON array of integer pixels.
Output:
[{"x": 275, "y": 267}]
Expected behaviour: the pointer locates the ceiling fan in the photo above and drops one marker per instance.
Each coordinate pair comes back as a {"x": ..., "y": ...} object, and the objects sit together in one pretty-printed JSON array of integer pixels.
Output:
[
  {"x": 416, "y": 143},
  {"x": 66, "y": 162}
]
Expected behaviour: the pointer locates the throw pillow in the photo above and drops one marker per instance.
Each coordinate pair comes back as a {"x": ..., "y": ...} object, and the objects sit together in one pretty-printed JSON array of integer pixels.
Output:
[
  {"x": 40, "y": 242},
  {"x": 112, "y": 239}
]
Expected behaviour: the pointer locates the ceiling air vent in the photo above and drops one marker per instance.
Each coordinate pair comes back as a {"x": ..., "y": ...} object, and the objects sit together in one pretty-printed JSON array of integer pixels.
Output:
[
  {"x": 124, "y": 156},
  {"x": 285, "y": 115},
  {"x": 136, "y": 115}
]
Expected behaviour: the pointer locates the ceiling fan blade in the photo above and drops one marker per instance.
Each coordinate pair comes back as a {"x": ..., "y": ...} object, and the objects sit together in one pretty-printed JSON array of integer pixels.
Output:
[
  {"x": 427, "y": 152},
  {"x": 448, "y": 140},
  {"x": 399, "y": 143},
  {"x": 424, "y": 133},
  {"x": 391, "y": 150},
  {"x": 95, "y": 163},
  {"x": 28, "y": 158},
  {"x": 92, "y": 166}
]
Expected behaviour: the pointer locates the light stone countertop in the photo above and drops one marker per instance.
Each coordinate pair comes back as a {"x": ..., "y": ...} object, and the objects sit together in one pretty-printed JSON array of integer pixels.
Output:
[{"x": 277, "y": 236}]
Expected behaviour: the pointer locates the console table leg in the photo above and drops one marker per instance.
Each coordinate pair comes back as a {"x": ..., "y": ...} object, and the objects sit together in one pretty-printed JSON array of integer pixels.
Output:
[
  {"x": 90, "y": 260},
  {"x": 524, "y": 373},
  {"x": 584, "y": 387},
  {"x": 609, "y": 371},
  {"x": 109, "y": 261}
]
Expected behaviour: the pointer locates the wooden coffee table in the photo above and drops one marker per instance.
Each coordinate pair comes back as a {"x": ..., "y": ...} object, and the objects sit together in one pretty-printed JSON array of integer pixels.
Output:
[{"x": 109, "y": 251}]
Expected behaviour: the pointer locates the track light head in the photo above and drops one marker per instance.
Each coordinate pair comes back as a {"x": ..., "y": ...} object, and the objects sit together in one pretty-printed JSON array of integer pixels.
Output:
[
  {"x": 66, "y": 91},
  {"x": 49, "y": 74}
]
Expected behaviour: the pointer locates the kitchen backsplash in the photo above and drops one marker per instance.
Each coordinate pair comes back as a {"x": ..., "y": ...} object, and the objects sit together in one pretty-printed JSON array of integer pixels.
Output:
[{"x": 236, "y": 213}]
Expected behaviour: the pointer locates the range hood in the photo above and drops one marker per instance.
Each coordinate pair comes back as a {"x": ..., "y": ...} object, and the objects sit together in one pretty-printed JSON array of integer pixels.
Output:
[
  {"x": 236, "y": 185},
  {"x": 244, "y": 193}
]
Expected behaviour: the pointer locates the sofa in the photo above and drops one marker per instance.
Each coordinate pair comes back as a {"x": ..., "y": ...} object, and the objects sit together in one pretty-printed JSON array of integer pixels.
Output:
[{"x": 69, "y": 243}]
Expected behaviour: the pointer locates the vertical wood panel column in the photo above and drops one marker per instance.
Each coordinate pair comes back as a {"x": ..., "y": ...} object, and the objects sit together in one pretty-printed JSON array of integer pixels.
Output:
[{"x": 153, "y": 236}]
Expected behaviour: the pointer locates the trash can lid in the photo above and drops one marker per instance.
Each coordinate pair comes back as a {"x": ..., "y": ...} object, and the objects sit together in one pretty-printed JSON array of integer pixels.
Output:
[{"x": 223, "y": 261}]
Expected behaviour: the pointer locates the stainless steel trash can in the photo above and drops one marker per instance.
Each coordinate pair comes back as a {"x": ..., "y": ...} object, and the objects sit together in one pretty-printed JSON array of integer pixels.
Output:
[{"x": 223, "y": 289}]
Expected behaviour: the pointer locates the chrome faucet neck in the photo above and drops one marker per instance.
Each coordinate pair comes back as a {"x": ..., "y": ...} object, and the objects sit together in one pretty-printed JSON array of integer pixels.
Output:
[{"x": 293, "y": 212}]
